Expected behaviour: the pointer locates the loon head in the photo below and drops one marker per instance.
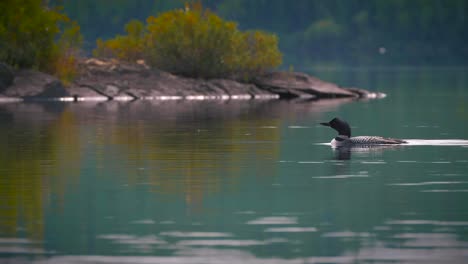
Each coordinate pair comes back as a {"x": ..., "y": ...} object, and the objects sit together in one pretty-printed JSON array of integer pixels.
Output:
[{"x": 339, "y": 125}]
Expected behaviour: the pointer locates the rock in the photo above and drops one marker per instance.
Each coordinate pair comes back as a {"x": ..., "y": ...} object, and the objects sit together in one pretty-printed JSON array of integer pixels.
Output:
[
  {"x": 31, "y": 85},
  {"x": 96, "y": 66},
  {"x": 126, "y": 81},
  {"x": 84, "y": 93},
  {"x": 6, "y": 76},
  {"x": 145, "y": 84},
  {"x": 115, "y": 79},
  {"x": 235, "y": 89},
  {"x": 296, "y": 84},
  {"x": 365, "y": 93},
  {"x": 52, "y": 90},
  {"x": 101, "y": 80},
  {"x": 8, "y": 99}
]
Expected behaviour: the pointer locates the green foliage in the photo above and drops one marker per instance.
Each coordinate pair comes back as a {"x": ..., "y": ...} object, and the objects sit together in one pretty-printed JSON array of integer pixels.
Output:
[
  {"x": 28, "y": 30},
  {"x": 413, "y": 32},
  {"x": 323, "y": 29},
  {"x": 195, "y": 42}
]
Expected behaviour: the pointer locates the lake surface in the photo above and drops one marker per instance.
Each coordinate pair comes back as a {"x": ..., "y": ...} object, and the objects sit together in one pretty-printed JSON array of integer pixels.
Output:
[{"x": 240, "y": 181}]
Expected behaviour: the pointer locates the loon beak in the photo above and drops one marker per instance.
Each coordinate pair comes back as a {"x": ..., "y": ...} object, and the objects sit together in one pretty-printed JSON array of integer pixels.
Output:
[{"x": 325, "y": 124}]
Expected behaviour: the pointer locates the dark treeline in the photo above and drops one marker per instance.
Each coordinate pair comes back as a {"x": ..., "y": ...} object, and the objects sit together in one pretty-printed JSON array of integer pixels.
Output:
[{"x": 405, "y": 32}]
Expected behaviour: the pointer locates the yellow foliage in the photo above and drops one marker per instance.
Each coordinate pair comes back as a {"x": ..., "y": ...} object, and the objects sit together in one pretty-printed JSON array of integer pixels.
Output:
[
  {"x": 129, "y": 47},
  {"x": 64, "y": 64},
  {"x": 255, "y": 53},
  {"x": 195, "y": 42}
]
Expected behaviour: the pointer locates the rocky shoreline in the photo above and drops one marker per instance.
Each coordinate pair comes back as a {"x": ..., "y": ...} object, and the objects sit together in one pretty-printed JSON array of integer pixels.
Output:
[{"x": 104, "y": 80}]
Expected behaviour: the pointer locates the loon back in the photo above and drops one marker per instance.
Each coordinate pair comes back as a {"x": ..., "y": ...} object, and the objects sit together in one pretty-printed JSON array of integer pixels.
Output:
[{"x": 363, "y": 140}]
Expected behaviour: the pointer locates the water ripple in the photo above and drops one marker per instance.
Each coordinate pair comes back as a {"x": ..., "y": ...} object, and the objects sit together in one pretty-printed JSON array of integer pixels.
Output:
[
  {"x": 290, "y": 229},
  {"x": 227, "y": 242},
  {"x": 445, "y": 191},
  {"x": 131, "y": 239},
  {"x": 144, "y": 222},
  {"x": 344, "y": 176},
  {"x": 194, "y": 234},
  {"x": 427, "y": 222},
  {"x": 427, "y": 183},
  {"x": 347, "y": 234},
  {"x": 437, "y": 142},
  {"x": 274, "y": 220},
  {"x": 431, "y": 240},
  {"x": 373, "y": 162}
]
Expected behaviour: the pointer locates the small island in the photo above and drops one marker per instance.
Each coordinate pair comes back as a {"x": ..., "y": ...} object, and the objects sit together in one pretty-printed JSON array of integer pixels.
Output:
[{"x": 189, "y": 54}]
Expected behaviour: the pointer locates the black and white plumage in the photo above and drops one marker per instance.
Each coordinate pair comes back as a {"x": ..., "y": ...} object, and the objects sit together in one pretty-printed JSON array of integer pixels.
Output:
[{"x": 344, "y": 136}]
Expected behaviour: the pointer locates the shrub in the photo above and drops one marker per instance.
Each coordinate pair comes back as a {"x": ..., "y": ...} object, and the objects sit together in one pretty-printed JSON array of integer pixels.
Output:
[
  {"x": 129, "y": 47},
  {"x": 254, "y": 53},
  {"x": 196, "y": 42},
  {"x": 190, "y": 42},
  {"x": 28, "y": 30},
  {"x": 64, "y": 64}
]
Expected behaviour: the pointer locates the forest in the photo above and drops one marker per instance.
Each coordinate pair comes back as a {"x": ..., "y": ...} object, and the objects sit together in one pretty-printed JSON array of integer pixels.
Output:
[{"x": 365, "y": 32}]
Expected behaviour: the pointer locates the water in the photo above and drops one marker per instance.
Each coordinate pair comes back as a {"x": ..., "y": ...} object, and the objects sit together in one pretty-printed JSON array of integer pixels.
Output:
[{"x": 240, "y": 182}]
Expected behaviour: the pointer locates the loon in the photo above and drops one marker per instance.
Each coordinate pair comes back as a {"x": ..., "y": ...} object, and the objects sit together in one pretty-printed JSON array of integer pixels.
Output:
[{"x": 344, "y": 136}]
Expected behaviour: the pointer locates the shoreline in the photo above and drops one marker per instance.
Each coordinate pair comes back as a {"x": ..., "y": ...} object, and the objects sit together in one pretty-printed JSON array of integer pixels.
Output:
[{"x": 112, "y": 80}]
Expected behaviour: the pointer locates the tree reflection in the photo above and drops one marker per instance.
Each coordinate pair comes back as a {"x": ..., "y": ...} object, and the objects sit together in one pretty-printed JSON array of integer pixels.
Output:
[
  {"x": 40, "y": 143},
  {"x": 185, "y": 148},
  {"x": 189, "y": 150}
]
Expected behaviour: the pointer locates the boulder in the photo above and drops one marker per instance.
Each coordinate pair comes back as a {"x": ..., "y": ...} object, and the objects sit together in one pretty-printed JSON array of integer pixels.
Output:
[
  {"x": 296, "y": 84},
  {"x": 6, "y": 76},
  {"x": 31, "y": 85}
]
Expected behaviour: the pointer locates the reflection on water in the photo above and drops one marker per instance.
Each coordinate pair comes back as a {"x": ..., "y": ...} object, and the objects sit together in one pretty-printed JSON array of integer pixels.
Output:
[
  {"x": 214, "y": 182},
  {"x": 344, "y": 153}
]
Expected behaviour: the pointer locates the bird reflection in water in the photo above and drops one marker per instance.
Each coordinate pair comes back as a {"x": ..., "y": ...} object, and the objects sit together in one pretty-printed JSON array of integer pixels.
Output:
[{"x": 345, "y": 152}]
